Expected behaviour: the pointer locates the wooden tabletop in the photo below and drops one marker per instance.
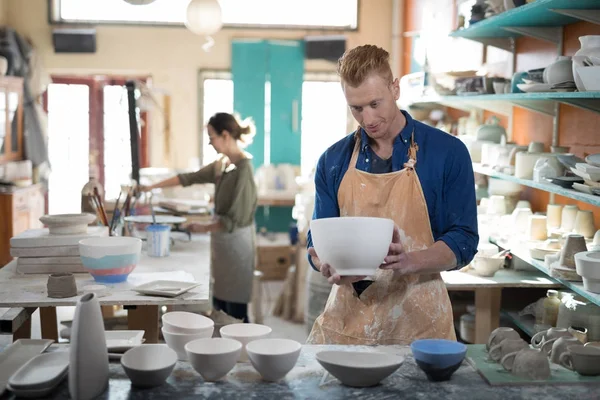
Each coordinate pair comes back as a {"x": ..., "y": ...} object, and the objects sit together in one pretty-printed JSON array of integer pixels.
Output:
[
  {"x": 505, "y": 278},
  {"x": 188, "y": 261}
]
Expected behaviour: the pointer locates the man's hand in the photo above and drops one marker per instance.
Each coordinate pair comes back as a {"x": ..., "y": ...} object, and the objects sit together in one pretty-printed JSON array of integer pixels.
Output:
[
  {"x": 329, "y": 272},
  {"x": 397, "y": 258}
]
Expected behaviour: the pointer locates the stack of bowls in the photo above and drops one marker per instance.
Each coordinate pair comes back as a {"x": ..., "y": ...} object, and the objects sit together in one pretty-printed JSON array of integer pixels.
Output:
[
  {"x": 181, "y": 327},
  {"x": 245, "y": 333}
]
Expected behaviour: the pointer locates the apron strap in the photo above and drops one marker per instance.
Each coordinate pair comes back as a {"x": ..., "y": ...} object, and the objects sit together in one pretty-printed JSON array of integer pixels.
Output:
[
  {"x": 412, "y": 152},
  {"x": 356, "y": 150}
]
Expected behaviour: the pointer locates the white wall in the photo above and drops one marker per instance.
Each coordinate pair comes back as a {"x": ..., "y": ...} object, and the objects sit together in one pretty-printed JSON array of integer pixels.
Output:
[{"x": 172, "y": 56}]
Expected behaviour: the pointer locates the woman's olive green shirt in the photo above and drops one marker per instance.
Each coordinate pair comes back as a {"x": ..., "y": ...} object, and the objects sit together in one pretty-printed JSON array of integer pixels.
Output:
[{"x": 235, "y": 191}]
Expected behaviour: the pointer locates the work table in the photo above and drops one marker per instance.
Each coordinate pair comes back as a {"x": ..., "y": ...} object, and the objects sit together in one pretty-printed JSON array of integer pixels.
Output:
[{"x": 307, "y": 381}]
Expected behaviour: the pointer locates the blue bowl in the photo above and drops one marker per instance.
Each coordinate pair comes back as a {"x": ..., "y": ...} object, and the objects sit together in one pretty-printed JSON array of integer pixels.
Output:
[{"x": 438, "y": 358}]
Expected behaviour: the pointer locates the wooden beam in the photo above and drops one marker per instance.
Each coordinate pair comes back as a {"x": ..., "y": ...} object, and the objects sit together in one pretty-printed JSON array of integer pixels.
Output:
[{"x": 14, "y": 318}]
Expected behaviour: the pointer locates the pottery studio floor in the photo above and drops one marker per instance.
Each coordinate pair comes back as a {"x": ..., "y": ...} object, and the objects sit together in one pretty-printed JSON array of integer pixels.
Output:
[{"x": 281, "y": 328}]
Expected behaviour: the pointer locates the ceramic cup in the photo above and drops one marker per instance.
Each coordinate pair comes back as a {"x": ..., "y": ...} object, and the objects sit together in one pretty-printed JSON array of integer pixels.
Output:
[
  {"x": 520, "y": 219},
  {"x": 556, "y": 347},
  {"x": 535, "y": 147},
  {"x": 61, "y": 285},
  {"x": 584, "y": 224},
  {"x": 585, "y": 360},
  {"x": 569, "y": 213},
  {"x": 497, "y": 205},
  {"x": 537, "y": 227},
  {"x": 523, "y": 204},
  {"x": 499, "y": 334},
  {"x": 527, "y": 363},
  {"x": 505, "y": 347},
  {"x": 553, "y": 215},
  {"x": 538, "y": 340},
  {"x": 574, "y": 244},
  {"x": 580, "y": 333}
]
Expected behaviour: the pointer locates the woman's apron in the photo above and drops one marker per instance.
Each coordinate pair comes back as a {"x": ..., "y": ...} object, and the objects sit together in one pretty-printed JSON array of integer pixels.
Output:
[
  {"x": 232, "y": 257},
  {"x": 394, "y": 309}
]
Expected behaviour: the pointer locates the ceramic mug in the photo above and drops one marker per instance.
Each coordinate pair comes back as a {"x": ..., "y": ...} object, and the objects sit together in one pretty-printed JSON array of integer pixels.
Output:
[
  {"x": 538, "y": 340},
  {"x": 556, "y": 347},
  {"x": 527, "y": 363},
  {"x": 580, "y": 333},
  {"x": 505, "y": 347},
  {"x": 585, "y": 360},
  {"x": 499, "y": 334}
]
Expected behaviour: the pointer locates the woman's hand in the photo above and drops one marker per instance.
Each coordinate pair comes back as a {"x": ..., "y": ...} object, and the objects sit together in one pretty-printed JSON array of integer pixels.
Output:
[{"x": 329, "y": 272}]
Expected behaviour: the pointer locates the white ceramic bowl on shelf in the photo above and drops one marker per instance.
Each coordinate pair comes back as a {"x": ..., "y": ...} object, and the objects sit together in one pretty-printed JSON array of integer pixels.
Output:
[
  {"x": 352, "y": 245},
  {"x": 187, "y": 322},
  {"x": 273, "y": 358}
]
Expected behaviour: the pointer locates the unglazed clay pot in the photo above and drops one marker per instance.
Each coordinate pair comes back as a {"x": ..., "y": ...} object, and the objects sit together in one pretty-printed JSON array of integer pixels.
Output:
[
  {"x": 527, "y": 363},
  {"x": 573, "y": 244},
  {"x": 499, "y": 334},
  {"x": 505, "y": 347},
  {"x": 556, "y": 347},
  {"x": 583, "y": 359},
  {"x": 542, "y": 337}
]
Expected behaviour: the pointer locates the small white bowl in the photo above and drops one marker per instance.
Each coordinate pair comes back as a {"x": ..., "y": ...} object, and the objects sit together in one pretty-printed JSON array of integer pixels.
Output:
[
  {"x": 213, "y": 358},
  {"x": 187, "y": 322},
  {"x": 273, "y": 358},
  {"x": 149, "y": 365},
  {"x": 177, "y": 341},
  {"x": 245, "y": 333},
  {"x": 359, "y": 369},
  {"x": 487, "y": 266}
]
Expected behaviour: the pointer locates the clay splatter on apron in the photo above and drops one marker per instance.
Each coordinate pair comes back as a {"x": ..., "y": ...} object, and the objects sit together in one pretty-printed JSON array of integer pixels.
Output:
[{"x": 395, "y": 309}]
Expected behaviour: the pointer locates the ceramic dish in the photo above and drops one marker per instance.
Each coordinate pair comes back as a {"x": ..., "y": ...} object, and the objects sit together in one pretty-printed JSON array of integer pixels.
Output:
[
  {"x": 121, "y": 341},
  {"x": 67, "y": 224},
  {"x": 580, "y": 187},
  {"x": 165, "y": 288},
  {"x": 534, "y": 87},
  {"x": 44, "y": 371},
  {"x": 593, "y": 159},
  {"x": 569, "y": 160},
  {"x": 186, "y": 322},
  {"x": 566, "y": 181},
  {"x": 17, "y": 354},
  {"x": 359, "y": 369},
  {"x": 149, "y": 365},
  {"x": 592, "y": 176}
]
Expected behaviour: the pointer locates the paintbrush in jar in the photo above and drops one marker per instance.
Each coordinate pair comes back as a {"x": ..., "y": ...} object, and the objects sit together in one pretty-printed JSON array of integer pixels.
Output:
[
  {"x": 114, "y": 216},
  {"x": 101, "y": 206}
]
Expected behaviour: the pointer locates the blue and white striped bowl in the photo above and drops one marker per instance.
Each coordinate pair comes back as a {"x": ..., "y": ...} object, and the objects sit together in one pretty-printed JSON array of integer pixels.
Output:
[{"x": 110, "y": 259}]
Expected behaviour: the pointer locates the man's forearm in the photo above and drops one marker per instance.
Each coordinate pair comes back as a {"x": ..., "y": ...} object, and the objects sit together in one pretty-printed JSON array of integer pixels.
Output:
[{"x": 437, "y": 258}]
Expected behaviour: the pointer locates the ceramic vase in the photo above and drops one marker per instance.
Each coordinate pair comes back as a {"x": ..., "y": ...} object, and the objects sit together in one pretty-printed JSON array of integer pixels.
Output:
[
  {"x": 590, "y": 46},
  {"x": 88, "y": 369}
]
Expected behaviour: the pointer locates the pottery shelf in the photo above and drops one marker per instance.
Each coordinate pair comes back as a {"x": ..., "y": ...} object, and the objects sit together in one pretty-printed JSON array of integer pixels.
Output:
[
  {"x": 544, "y": 103},
  {"x": 525, "y": 323},
  {"x": 541, "y": 19},
  {"x": 548, "y": 187},
  {"x": 522, "y": 252}
]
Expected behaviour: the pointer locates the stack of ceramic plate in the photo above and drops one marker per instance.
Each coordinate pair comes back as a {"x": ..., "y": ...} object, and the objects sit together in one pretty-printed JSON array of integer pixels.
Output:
[{"x": 41, "y": 375}]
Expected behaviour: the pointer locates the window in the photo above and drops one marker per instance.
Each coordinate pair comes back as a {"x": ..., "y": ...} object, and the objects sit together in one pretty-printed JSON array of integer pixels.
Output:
[
  {"x": 307, "y": 14},
  {"x": 319, "y": 92}
]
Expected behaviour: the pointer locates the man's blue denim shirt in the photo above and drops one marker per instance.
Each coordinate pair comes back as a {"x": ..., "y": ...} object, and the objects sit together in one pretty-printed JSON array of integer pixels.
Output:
[{"x": 444, "y": 168}]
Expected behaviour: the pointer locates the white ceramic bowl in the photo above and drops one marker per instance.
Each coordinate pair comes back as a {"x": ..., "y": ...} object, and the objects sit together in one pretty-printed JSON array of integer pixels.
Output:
[
  {"x": 273, "y": 358},
  {"x": 177, "y": 341},
  {"x": 245, "y": 333},
  {"x": 149, "y": 365},
  {"x": 352, "y": 245},
  {"x": 359, "y": 368},
  {"x": 187, "y": 322},
  {"x": 487, "y": 266},
  {"x": 213, "y": 358},
  {"x": 110, "y": 259}
]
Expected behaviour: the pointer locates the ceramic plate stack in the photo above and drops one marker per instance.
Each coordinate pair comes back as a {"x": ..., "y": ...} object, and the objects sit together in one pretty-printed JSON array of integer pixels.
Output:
[
  {"x": 40, "y": 252},
  {"x": 41, "y": 375}
]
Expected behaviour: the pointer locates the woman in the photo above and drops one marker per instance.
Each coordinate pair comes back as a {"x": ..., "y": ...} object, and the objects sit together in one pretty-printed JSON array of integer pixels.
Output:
[{"x": 232, "y": 230}]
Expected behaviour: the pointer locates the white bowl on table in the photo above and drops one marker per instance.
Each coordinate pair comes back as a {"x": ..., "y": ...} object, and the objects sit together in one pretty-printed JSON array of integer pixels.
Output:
[
  {"x": 273, "y": 358},
  {"x": 213, "y": 358},
  {"x": 149, "y": 365},
  {"x": 245, "y": 333},
  {"x": 187, "y": 322},
  {"x": 352, "y": 245},
  {"x": 177, "y": 341}
]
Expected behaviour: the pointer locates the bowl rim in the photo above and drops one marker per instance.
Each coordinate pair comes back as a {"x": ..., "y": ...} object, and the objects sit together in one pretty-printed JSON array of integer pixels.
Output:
[
  {"x": 198, "y": 317},
  {"x": 459, "y": 347},
  {"x": 119, "y": 241},
  {"x": 202, "y": 332},
  {"x": 268, "y": 330},
  {"x": 295, "y": 346},
  {"x": 170, "y": 356},
  {"x": 392, "y": 359},
  {"x": 237, "y": 346}
]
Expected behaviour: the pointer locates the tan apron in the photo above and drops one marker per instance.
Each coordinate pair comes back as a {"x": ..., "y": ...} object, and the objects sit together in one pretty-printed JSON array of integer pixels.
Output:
[{"x": 394, "y": 309}]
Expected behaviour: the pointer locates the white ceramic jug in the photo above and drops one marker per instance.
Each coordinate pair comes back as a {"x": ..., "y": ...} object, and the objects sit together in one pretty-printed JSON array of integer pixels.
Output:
[{"x": 590, "y": 46}]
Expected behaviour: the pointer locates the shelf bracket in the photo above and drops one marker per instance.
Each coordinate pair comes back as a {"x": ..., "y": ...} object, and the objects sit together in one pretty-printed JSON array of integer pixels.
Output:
[
  {"x": 541, "y": 106},
  {"x": 506, "y": 44},
  {"x": 548, "y": 34},
  {"x": 586, "y": 104},
  {"x": 592, "y": 16}
]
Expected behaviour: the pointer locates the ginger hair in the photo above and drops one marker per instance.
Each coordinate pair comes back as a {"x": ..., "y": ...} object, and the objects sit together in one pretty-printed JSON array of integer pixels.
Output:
[{"x": 358, "y": 63}]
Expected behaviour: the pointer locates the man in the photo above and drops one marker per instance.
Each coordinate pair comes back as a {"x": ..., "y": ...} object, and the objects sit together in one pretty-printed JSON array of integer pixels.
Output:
[{"x": 422, "y": 178}]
